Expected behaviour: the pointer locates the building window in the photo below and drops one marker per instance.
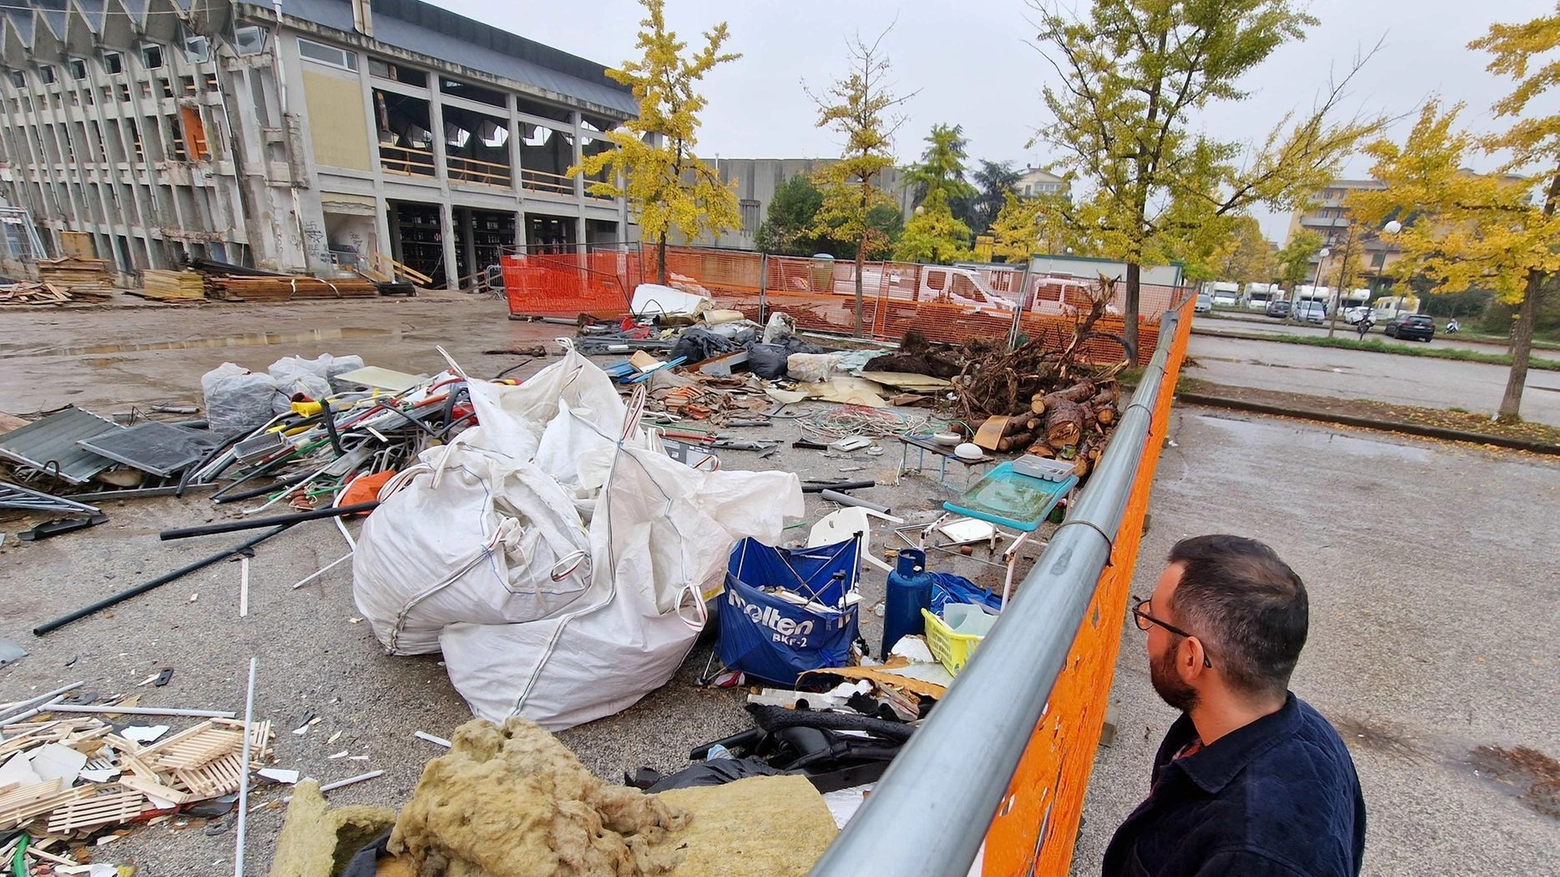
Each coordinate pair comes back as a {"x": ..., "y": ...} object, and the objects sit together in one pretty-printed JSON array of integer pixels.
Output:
[
  {"x": 1378, "y": 261},
  {"x": 197, "y": 49},
  {"x": 472, "y": 93},
  {"x": 46, "y": 73},
  {"x": 151, "y": 56},
  {"x": 397, "y": 73},
  {"x": 750, "y": 218},
  {"x": 545, "y": 111},
  {"x": 328, "y": 55},
  {"x": 248, "y": 40},
  {"x": 18, "y": 79},
  {"x": 77, "y": 68},
  {"x": 113, "y": 62}
]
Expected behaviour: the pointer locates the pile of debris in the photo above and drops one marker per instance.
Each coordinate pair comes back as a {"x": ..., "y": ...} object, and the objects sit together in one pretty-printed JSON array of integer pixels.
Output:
[{"x": 68, "y": 776}]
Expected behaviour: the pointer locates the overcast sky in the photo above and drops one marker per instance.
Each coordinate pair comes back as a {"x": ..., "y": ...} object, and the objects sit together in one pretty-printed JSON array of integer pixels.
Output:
[{"x": 971, "y": 63}]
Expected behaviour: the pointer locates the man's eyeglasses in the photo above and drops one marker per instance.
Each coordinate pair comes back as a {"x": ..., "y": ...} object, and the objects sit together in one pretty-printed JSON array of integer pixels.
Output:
[{"x": 1143, "y": 619}]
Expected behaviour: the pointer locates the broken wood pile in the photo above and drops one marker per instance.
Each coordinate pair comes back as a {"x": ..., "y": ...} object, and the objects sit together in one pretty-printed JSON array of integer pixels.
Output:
[
  {"x": 77, "y": 276},
  {"x": 276, "y": 289},
  {"x": 172, "y": 286},
  {"x": 69, "y": 778},
  {"x": 1043, "y": 397},
  {"x": 47, "y": 294}
]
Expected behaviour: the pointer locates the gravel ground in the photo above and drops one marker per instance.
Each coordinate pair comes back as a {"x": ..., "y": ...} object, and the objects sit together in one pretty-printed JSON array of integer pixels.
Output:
[
  {"x": 313, "y": 658},
  {"x": 1431, "y": 574}
]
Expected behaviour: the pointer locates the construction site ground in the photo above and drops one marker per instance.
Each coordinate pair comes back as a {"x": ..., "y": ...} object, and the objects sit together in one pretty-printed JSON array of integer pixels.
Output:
[{"x": 1427, "y": 565}]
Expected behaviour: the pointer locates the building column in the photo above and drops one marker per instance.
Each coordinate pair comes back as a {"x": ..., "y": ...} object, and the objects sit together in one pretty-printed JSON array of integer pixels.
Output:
[
  {"x": 447, "y": 237},
  {"x": 468, "y": 228}
]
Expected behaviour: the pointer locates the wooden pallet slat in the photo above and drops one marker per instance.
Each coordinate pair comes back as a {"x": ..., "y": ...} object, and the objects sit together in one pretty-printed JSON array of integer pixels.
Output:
[
  {"x": 119, "y": 804},
  {"x": 216, "y": 778}
]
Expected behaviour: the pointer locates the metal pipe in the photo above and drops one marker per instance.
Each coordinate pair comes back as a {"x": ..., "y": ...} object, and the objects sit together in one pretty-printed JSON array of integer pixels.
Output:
[
  {"x": 243, "y": 775},
  {"x": 34, "y": 701},
  {"x": 278, "y": 520},
  {"x": 158, "y": 582},
  {"x": 929, "y": 813},
  {"x": 251, "y": 493},
  {"x": 847, "y": 499},
  {"x": 112, "y": 710}
]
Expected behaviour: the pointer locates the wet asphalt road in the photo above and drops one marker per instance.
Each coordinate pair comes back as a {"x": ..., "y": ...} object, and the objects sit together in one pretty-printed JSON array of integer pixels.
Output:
[
  {"x": 1363, "y": 374},
  {"x": 1432, "y": 580}
]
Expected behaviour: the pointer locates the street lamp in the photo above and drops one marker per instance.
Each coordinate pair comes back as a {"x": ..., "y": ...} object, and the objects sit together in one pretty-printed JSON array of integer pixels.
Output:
[{"x": 1392, "y": 227}]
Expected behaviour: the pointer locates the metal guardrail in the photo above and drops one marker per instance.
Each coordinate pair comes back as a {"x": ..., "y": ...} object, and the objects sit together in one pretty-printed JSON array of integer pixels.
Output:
[{"x": 929, "y": 813}]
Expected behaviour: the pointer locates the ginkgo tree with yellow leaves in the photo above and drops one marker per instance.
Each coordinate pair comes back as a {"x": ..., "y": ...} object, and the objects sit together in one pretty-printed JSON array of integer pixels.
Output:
[
  {"x": 654, "y": 166},
  {"x": 1496, "y": 231}
]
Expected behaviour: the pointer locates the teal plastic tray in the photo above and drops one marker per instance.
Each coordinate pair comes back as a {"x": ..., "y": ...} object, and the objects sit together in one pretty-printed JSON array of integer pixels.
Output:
[{"x": 1008, "y": 499}]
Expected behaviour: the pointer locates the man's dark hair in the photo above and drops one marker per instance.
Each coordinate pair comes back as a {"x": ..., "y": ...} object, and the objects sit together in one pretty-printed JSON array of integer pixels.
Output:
[{"x": 1246, "y": 604}]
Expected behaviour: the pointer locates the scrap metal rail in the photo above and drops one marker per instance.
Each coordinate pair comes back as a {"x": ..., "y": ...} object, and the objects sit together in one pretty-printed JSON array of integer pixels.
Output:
[{"x": 997, "y": 774}]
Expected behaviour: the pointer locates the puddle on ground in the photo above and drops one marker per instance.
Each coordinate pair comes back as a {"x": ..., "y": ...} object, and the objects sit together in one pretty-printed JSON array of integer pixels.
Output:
[
  {"x": 252, "y": 339},
  {"x": 1283, "y": 438}
]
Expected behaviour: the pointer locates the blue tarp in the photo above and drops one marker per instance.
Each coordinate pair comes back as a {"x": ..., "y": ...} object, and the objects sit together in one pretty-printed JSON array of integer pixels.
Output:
[
  {"x": 773, "y": 639},
  {"x": 948, "y": 588}
]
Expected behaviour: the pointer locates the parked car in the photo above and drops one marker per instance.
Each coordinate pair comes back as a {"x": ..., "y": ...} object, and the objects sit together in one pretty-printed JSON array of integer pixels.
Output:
[
  {"x": 1311, "y": 312},
  {"x": 1411, "y": 327},
  {"x": 1278, "y": 308},
  {"x": 1204, "y": 303},
  {"x": 1354, "y": 315}
]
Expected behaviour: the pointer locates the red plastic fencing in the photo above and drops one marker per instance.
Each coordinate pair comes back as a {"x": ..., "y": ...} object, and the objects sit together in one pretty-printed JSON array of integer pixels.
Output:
[
  {"x": 567, "y": 285},
  {"x": 943, "y": 304}
]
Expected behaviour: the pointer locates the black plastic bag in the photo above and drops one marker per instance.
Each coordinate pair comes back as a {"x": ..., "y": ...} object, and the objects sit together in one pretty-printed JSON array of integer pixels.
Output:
[
  {"x": 697, "y": 345},
  {"x": 768, "y": 360}
]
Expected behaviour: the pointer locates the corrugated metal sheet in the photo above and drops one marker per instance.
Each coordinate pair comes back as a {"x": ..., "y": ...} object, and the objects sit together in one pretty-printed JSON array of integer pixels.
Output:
[
  {"x": 49, "y": 444},
  {"x": 155, "y": 447}
]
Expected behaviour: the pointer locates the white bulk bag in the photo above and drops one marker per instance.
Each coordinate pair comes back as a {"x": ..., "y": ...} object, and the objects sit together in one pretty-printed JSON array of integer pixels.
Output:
[
  {"x": 661, "y": 537},
  {"x": 467, "y": 535}
]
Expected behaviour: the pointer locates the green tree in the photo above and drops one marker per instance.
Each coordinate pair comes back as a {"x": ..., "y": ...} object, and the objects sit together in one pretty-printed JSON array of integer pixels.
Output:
[
  {"x": 942, "y": 167},
  {"x": 859, "y": 107},
  {"x": 1134, "y": 75},
  {"x": 933, "y": 233},
  {"x": 1466, "y": 229},
  {"x": 1246, "y": 256},
  {"x": 993, "y": 181},
  {"x": 789, "y": 228},
  {"x": 1293, "y": 262},
  {"x": 666, "y": 185}
]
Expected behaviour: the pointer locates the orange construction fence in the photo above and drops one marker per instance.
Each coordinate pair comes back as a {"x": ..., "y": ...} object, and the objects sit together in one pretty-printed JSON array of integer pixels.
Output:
[
  {"x": 1035, "y": 829},
  {"x": 943, "y": 304}
]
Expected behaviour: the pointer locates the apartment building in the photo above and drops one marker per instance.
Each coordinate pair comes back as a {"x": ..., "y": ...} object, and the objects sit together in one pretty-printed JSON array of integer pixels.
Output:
[
  {"x": 300, "y": 135},
  {"x": 1034, "y": 181},
  {"x": 1328, "y": 216}
]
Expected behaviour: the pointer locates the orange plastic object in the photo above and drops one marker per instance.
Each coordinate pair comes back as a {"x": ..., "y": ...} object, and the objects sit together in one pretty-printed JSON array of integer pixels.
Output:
[{"x": 365, "y": 488}]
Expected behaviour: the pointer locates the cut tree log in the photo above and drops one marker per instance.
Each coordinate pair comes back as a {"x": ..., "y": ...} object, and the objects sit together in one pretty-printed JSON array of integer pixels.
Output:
[
  {"x": 1105, "y": 416},
  {"x": 1016, "y": 442},
  {"x": 1064, "y": 423},
  {"x": 1041, "y": 449}
]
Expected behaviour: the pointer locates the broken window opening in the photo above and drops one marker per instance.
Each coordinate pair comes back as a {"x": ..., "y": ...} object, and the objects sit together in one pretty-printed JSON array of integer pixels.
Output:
[
  {"x": 151, "y": 56},
  {"x": 472, "y": 93},
  {"x": 397, "y": 73}
]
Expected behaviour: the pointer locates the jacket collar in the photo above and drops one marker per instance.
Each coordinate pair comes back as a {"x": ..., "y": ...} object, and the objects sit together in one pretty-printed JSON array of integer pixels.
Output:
[{"x": 1219, "y": 762}]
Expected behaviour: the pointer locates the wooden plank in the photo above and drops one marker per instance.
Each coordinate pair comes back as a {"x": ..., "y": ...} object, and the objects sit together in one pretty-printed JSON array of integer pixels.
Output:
[{"x": 154, "y": 789}]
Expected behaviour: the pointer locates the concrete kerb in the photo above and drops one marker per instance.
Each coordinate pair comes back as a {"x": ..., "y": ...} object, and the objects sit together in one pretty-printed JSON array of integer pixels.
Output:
[{"x": 1414, "y": 429}]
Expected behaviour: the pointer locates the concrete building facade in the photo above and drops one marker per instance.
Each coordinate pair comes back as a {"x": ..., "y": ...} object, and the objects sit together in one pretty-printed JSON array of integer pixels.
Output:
[{"x": 303, "y": 135}]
